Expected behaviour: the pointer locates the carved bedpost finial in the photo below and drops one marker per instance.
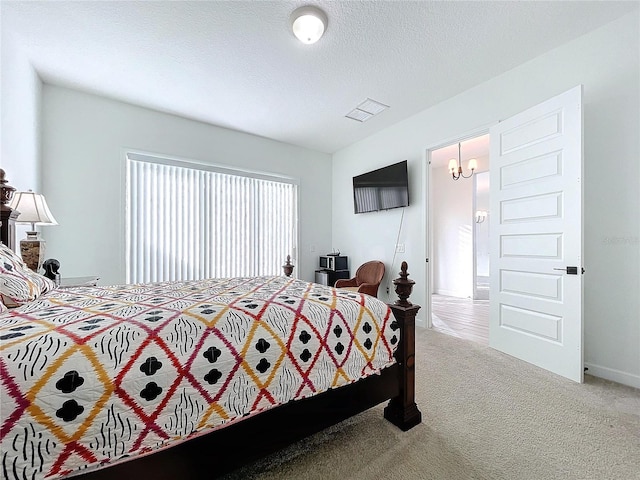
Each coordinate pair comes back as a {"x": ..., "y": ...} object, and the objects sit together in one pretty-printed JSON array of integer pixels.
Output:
[
  {"x": 288, "y": 267},
  {"x": 7, "y": 215},
  {"x": 6, "y": 191},
  {"x": 403, "y": 287}
]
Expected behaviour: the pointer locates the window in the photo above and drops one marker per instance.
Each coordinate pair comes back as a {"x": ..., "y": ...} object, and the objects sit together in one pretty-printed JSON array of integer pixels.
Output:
[{"x": 189, "y": 221}]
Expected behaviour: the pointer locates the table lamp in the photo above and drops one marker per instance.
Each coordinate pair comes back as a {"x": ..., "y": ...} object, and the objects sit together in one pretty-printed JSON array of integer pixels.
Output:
[{"x": 32, "y": 208}]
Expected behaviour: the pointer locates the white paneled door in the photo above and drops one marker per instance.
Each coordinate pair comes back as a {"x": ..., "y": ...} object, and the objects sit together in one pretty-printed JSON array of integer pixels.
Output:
[{"x": 536, "y": 235}]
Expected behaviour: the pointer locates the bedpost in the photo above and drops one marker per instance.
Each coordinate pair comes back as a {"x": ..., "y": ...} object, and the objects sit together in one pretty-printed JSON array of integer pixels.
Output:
[
  {"x": 288, "y": 267},
  {"x": 7, "y": 214},
  {"x": 402, "y": 410}
]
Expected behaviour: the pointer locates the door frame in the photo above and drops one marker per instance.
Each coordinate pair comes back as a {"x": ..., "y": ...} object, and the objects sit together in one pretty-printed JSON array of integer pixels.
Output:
[
  {"x": 475, "y": 229},
  {"x": 428, "y": 210},
  {"x": 474, "y": 234}
]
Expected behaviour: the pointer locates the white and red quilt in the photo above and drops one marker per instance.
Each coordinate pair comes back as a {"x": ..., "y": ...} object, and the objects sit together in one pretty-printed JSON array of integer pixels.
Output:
[{"x": 94, "y": 374}]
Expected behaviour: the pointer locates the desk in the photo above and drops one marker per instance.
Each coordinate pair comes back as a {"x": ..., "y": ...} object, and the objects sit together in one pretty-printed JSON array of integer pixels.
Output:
[{"x": 68, "y": 282}]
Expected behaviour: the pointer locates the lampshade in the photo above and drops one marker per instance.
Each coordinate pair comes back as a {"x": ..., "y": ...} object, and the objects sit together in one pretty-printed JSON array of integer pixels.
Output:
[
  {"x": 33, "y": 209},
  {"x": 308, "y": 24},
  {"x": 453, "y": 166}
]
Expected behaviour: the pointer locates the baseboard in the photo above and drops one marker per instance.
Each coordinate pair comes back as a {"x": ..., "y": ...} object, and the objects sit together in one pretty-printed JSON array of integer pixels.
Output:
[{"x": 614, "y": 375}]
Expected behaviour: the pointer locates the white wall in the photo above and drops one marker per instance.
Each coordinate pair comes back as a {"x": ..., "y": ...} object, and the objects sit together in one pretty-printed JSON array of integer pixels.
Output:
[
  {"x": 481, "y": 182},
  {"x": 606, "y": 62},
  {"x": 19, "y": 120},
  {"x": 452, "y": 237},
  {"x": 452, "y": 224},
  {"x": 83, "y": 175}
]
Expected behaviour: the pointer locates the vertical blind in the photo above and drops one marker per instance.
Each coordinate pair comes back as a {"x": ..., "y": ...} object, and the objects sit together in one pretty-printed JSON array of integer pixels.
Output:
[
  {"x": 366, "y": 198},
  {"x": 188, "y": 223},
  {"x": 380, "y": 198}
]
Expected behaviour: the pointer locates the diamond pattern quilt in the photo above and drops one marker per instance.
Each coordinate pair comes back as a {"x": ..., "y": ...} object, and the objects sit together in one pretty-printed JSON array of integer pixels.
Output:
[{"x": 90, "y": 375}]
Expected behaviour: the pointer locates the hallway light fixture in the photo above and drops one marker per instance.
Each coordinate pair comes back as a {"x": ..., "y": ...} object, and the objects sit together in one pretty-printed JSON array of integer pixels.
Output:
[
  {"x": 455, "y": 167},
  {"x": 308, "y": 24}
]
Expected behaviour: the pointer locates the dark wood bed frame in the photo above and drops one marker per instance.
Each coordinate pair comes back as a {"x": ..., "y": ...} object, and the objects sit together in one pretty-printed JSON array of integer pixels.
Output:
[{"x": 221, "y": 451}]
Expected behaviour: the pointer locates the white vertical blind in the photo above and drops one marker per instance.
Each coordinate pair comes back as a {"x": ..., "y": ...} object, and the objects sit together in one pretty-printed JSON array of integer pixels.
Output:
[
  {"x": 392, "y": 197},
  {"x": 188, "y": 222},
  {"x": 379, "y": 198},
  {"x": 366, "y": 198}
]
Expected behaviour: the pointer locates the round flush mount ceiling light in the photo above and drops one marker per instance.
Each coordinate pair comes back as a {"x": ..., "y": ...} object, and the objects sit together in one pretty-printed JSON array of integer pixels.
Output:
[{"x": 308, "y": 24}]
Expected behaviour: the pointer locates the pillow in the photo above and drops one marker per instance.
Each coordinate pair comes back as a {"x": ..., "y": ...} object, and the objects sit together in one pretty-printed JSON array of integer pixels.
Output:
[{"x": 18, "y": 283}]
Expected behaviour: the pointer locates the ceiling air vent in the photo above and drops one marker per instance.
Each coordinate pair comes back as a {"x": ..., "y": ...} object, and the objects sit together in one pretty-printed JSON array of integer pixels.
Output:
[{"x": 366, "y": 110}]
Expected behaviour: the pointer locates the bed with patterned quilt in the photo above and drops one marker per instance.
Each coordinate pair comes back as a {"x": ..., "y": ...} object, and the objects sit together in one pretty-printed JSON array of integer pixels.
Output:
[{"x": 95, "y": 375}]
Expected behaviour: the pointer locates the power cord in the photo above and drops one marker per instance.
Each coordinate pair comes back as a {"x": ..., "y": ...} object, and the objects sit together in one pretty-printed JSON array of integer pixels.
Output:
[{"x": 395, "y": 247}]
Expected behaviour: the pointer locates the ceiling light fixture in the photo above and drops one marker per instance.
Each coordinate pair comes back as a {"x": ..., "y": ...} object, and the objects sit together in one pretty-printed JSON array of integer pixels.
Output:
[
  {"x": 308, "y": 24},
  {"x": 455, "y": 167}
]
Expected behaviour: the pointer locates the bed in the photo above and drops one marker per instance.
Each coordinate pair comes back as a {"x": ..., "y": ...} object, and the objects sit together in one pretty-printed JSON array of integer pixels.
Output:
[{"x": 192, "y": 379}]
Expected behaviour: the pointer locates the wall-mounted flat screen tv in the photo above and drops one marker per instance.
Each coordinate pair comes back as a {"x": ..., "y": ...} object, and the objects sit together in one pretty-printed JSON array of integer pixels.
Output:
[{"x": 381, "y": 189}]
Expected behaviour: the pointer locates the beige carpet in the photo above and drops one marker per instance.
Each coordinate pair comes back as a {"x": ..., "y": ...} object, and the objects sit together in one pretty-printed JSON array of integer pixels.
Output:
[{"x": 485, "y": 416}]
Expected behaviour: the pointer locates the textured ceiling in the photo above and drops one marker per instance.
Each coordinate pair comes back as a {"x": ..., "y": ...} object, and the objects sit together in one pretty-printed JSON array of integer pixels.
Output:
[{"x": 237, "y": 64}]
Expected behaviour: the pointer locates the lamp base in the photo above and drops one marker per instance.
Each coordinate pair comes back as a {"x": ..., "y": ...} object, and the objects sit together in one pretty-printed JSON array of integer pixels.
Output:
[{"x": 32, "y": 250}]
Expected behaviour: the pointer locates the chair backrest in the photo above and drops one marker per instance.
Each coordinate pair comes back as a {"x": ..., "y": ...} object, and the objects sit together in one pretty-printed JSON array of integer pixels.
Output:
[{"x": 370, "y": 272}]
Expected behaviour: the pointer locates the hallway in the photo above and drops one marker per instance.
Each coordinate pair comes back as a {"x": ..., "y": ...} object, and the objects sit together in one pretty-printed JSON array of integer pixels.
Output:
[{"x": 461, "y": 317}]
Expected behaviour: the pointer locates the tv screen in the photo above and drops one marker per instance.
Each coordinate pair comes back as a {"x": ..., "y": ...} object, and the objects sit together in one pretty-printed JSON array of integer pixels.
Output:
[{"x": 381, "y": 189}]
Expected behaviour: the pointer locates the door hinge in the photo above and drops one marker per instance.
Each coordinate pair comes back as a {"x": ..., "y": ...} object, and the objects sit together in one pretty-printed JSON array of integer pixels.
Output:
[{"x": 427, "y": 260}]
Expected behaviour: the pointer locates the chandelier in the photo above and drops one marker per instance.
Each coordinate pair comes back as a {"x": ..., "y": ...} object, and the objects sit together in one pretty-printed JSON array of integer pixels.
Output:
[{"x": 455, "y": 167}]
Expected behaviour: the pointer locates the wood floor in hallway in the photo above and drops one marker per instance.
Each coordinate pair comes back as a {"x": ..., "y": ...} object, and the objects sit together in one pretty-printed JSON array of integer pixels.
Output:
[{"x": 461, "y": 317}]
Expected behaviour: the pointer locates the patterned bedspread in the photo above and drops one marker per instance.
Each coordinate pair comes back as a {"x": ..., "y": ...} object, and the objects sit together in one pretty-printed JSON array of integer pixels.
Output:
[{"x": 93, "y": 374}]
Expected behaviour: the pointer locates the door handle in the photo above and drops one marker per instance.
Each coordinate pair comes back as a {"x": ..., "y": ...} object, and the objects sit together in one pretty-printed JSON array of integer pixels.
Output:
[{"x": 570, "y": 270}]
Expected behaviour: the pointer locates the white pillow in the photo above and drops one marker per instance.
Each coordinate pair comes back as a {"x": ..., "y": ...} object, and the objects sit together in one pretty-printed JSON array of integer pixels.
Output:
[{"x": 18, "y": 283}]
